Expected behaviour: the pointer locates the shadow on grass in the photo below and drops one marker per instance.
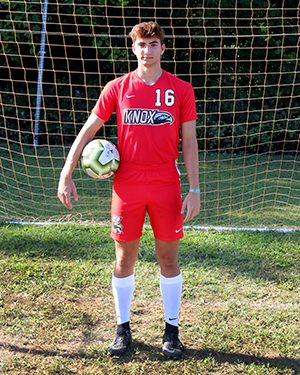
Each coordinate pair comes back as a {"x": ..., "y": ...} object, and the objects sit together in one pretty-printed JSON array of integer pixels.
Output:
[
  {"x": 236, "y": 358},
  {"x": 141, "y": 352}
]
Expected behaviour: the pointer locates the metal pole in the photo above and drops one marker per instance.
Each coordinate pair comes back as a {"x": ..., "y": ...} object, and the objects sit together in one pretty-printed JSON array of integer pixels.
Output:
[{"x": 40, "y": 75}]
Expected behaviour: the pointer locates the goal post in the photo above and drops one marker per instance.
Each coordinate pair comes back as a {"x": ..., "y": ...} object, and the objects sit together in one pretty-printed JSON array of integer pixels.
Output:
[{"x": 242, "y": 58}]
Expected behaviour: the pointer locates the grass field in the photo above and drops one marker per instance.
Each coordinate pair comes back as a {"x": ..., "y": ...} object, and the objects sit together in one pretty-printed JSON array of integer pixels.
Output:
[
  {"x": 237, "y": 190},
  {"x": 240, "y": 309}
]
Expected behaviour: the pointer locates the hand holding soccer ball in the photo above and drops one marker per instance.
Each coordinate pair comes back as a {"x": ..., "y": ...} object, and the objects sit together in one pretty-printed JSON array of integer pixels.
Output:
[{"x": 100, "y": 158}]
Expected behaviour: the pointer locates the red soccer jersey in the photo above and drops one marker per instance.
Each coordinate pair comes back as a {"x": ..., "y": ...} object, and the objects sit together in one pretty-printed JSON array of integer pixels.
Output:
[{"x": 148, "y": 116}]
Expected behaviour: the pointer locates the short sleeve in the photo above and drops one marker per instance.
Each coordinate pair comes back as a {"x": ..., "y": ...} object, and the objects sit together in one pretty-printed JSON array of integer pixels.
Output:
[
  {"x": 106, "y": 103},
  {"x": 188, "y": 104}
]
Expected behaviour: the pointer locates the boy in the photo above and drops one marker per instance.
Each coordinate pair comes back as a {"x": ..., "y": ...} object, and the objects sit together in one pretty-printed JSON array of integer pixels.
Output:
[{"x": 152, "y": 106}]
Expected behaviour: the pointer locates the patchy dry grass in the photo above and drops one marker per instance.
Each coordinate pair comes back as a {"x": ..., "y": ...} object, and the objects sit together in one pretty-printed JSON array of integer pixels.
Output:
[{"x": 240, "y": 309}]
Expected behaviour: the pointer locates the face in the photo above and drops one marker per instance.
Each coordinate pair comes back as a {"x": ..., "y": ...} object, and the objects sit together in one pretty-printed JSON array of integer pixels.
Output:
[{"x": 148, "y": 50}]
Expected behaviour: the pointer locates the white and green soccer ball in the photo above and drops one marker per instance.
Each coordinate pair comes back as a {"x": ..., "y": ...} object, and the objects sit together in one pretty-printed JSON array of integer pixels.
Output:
[{"x": 100, "y": 158}]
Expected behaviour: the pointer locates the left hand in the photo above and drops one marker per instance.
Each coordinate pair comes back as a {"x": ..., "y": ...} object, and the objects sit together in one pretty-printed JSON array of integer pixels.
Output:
[{"x": 192, "y": 204}]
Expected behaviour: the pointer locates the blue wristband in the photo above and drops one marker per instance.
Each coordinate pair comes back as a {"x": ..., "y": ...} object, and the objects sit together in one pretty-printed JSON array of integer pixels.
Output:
[{"x": 194, "y": 191}]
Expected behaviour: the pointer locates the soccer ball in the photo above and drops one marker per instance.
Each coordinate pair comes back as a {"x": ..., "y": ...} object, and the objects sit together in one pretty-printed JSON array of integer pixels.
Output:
[{"x": 100, "y": 158}]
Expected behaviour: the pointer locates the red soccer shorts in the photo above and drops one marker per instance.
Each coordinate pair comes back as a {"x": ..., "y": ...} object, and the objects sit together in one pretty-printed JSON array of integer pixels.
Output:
[{"x": 139, "y": 189}]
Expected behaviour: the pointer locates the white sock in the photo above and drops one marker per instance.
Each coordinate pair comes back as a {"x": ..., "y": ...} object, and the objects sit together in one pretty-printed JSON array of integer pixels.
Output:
[
  {"x": 123, "y": 291},
  {"x": 171, "y": 288}
]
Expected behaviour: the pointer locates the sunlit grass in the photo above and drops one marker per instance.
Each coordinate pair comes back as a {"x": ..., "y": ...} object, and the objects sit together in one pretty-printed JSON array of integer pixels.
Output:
[
  {"x": 236, "y": 190},
  {"x": 239, "y": 314}
]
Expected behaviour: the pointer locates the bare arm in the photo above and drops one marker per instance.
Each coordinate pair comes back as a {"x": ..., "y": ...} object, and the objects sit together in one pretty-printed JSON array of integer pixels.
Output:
[
  {"x": 66, "y": 186},
  {"x": 191, "y": 161}
]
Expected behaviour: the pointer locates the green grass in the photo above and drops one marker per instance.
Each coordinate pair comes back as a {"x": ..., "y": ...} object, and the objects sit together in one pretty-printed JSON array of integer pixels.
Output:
[
  {"x": 237, "y": 190},
  {"x": 239, "y": 315}
]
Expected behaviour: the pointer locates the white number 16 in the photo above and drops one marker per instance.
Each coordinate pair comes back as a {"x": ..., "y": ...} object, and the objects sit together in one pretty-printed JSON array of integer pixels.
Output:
[{"x": 169, "y": 97}]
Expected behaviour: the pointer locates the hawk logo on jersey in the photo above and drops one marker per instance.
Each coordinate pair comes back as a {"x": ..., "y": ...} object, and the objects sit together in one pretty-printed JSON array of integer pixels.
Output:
[
  {"x": 116, "y": 224},
  {"x": 147, "y": 117}
]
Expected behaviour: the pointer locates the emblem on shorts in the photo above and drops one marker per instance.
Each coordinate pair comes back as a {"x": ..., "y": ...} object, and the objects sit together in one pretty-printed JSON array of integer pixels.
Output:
[{"x": 116, "y": 224}]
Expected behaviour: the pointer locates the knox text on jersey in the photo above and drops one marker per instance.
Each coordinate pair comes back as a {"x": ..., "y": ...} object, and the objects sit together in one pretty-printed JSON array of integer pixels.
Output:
[{"x": 154, "y": 117}]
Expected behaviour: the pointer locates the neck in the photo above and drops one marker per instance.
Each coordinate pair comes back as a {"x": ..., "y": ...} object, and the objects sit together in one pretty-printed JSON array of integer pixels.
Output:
[{"x": 148, "y": 75}]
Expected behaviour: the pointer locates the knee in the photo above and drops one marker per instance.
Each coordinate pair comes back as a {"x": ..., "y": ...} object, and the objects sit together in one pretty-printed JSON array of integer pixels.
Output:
[
  {"x": 167, "y": 256},
  {"x": 126, "y": 254},
  {"x": 168, "y": 265},
  {"x": 123, "y": 268},
  {"x": 124, "y": 262},
  {"x": 167, "y": 260}
]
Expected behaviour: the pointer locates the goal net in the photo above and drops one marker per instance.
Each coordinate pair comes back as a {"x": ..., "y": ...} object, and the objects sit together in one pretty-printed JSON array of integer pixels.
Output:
[{"x": 241, "y": 58}]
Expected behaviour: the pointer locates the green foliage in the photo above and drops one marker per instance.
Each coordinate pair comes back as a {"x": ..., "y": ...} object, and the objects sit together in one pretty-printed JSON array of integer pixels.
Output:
[{"x": 241, "y": 61}]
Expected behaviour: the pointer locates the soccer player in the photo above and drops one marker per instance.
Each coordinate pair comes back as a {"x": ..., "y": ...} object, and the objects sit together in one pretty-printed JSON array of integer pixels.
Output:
[{"x": 152, "y": 108}]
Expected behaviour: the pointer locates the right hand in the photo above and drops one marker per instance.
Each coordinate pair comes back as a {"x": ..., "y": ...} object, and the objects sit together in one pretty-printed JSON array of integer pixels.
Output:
[{"x": 66, "y": 187}]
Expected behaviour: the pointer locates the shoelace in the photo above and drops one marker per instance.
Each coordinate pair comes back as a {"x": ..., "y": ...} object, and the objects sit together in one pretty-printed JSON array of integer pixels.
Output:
[{"x": 119, "y": 338}]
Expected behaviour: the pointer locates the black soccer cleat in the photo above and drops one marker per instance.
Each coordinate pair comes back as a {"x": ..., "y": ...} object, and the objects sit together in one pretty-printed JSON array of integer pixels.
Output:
[
  {"x": 172, "y": 346},
  {"x": 120, "y": 343}
]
